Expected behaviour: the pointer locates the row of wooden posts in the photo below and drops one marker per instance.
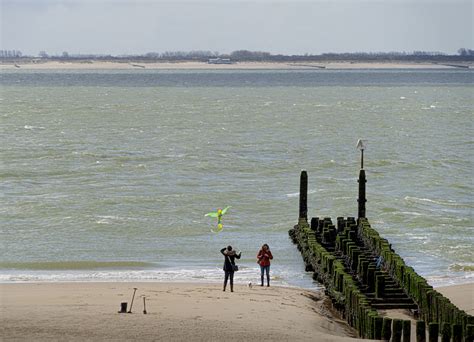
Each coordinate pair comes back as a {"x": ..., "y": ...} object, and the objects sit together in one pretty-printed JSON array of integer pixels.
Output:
[
  {"x": 324, "y": 248},
  {"x": 433, "y": 307}
]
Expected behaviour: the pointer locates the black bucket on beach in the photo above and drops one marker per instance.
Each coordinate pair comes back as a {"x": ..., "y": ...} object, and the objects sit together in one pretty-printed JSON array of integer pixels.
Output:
[{"x": 123, "y": 307}]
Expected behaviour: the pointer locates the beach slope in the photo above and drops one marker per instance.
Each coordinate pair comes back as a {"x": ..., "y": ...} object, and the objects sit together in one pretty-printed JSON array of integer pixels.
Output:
[{"x": 176, "y": 312}]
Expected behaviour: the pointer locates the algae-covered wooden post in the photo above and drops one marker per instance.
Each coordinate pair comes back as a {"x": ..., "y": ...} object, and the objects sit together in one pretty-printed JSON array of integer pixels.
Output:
[
  {"x": 433, "y": 332},
  {"x": 303, "y": 195},
  {"x": 379, "y": 286},
  {"x": 469, "y": 332},
  {"x": 387, "y": 329},
  {"x": 362, "y": 180},
  {"x": 406, "y": 331},
  {"x": 457, "y": 332},
  {"x": 445, "y": 332},
  {"x": 378, "y": 325},
  {"x": 420, "y": 331},
  {"x": 397, "y": 327}
]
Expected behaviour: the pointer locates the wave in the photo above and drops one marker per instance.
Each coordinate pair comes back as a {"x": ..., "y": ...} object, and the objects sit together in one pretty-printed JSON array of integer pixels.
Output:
[
  {"x": 461, "y": 267},
  {"x": 111, "y": 219},
  {"x": 30, "y": 127},
  {"x": 449, "y": 203},
  {"x": 246, "y": 275},
  {"x": 73, "y": 265},
  {"x": 413, "y": 213},
  {"x": 296, "y": 194},
  {"x": 447, "y": 280}
]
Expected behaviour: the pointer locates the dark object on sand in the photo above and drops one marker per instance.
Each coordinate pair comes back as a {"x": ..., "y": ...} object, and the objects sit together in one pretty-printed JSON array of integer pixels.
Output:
[
  {"x": 123, "y": 307},
  {"x": 144, "y": 305},
  {"x": 131, "y": 304}
]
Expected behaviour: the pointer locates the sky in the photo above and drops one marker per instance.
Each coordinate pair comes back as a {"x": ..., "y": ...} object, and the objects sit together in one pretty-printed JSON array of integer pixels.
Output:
[{"x": 120, "y": 27}]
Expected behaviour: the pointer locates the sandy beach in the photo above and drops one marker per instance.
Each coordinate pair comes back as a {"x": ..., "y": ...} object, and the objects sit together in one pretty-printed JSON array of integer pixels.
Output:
[
  {"x": 175, "y": 312},
  {"x": 111, "y": 65}
]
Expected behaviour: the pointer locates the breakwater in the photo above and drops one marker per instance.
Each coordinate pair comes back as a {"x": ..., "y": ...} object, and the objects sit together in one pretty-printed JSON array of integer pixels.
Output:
[{"x": 365, "y": 277}]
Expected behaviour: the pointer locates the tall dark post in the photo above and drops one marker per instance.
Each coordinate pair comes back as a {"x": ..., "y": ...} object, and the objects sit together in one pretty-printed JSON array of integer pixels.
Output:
[
  {"x": 362, "y": 200},
  {"x": 304, "y": 195},
  {"x": 362, "y": 180}
]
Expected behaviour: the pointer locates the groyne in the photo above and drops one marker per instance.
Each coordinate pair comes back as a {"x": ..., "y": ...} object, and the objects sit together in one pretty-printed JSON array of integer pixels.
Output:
[{"x": 365, "y": 277}]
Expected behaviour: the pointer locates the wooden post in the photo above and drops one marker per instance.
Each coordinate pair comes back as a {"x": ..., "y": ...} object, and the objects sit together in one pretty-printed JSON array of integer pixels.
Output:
[
  {"x": 378, "y": 324},
  {"x": 386, "y": 329},
  {"x": 457, "y": 332},
  {"x": 406, "y": 330},
  {"x": 445, "y": 332},
  {"x": 420, "y": 331},
  {"x": 371, "y": 278},
  {"x": 469, "y": 332},
  {"x": 433, "y": 332},
  {"x": 397, "y": 330},
  {"x": 362, "y": 200},
  {"x": 379, "y": 286},
  {"x": 303, "y": 196}
]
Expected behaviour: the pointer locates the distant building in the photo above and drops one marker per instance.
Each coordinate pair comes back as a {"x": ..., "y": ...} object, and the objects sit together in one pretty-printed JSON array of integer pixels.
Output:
[{"x": 219, "y": 61}]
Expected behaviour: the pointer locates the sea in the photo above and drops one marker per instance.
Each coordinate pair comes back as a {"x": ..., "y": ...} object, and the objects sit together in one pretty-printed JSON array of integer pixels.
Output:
[{"x": 106, "y": 175}]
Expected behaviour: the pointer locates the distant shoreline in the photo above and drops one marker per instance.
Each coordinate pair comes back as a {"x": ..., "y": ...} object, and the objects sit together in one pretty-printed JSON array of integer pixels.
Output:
[{"x": 186, "y": 65}]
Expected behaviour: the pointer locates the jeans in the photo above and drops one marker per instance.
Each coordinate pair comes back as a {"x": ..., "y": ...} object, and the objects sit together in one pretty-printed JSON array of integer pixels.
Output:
[
  {"x": 227, "y": 276},
  {"x": 265, "y": 269}
]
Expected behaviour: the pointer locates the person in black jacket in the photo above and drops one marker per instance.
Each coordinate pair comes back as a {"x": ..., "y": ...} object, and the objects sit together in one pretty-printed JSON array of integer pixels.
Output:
[{"x": 229, "y": 263}]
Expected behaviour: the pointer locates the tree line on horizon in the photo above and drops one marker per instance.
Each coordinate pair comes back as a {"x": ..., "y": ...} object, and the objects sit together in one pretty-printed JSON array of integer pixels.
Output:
[{"x": 247, "y": 55}]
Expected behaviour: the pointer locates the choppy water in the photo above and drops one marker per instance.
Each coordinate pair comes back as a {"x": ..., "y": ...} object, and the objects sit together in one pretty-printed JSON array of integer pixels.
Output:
[{"x": 107, "y": 175}]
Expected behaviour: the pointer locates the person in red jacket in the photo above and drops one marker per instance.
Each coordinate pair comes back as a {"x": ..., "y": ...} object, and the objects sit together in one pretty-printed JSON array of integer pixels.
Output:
[{"x": 263, "y": 259}]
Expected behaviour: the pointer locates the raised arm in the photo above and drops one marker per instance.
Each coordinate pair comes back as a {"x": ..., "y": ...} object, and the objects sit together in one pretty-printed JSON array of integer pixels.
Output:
[{"x": 222, "y": 250}]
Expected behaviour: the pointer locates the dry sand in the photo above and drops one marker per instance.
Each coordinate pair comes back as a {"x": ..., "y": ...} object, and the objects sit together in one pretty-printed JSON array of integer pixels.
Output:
[
  {"x": 97, "y": 65},
  {"x": 176, "y": 312}
]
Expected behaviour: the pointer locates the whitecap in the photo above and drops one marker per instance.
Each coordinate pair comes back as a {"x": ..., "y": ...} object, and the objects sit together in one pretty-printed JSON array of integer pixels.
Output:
[
  {"x": 450, "y": 203},
  {"x": 30, "y": 127},
  {"x": 414, "y": 213},
  {"x": 208, "y": 275},
  {"x": 462, "y": 267},
  {"x": 296, "y": 194}
]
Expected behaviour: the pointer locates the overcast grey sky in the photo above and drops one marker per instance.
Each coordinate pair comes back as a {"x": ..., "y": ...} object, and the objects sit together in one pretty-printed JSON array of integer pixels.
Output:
[{"x": 285, "y": 26}]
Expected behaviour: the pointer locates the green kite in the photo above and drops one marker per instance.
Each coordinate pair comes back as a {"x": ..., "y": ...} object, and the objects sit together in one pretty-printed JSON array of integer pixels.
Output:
[{"x": 219, "y": 213}]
